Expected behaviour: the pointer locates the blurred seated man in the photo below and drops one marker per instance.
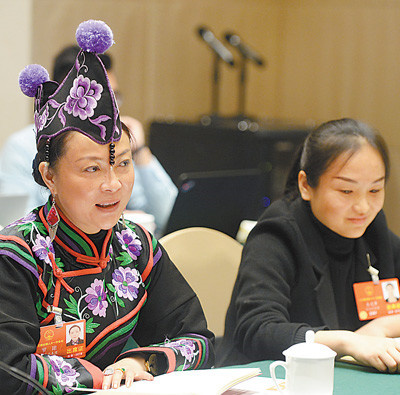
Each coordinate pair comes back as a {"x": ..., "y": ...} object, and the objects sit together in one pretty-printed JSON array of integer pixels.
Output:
[{"x": 153, "y": 192}]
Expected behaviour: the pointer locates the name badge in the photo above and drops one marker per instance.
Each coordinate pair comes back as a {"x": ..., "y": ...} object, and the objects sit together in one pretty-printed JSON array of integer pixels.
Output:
[
  {"x": 67, "y": 340},
  {"x": 377, "y": 299}
]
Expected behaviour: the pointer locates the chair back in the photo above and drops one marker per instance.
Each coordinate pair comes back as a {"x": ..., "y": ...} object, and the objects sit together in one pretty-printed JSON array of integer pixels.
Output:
[{"x": 209, "y": 261}]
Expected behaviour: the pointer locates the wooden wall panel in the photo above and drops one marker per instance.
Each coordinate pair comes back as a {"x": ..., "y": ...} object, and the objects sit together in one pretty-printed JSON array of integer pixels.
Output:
[
  {"x": 342, "y": 58},
  {"x": 326, "y": 59},
  {"x": 15, "y": 33},
  {"x": 162, "y": 64}
]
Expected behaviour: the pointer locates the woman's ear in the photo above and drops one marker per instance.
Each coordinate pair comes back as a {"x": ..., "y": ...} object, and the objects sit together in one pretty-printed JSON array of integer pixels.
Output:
[
  {"x": 47, "y": 176},
  {"x": 304, "y": 188}
]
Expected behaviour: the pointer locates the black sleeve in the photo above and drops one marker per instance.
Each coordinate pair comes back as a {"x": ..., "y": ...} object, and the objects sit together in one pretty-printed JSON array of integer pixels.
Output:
[
  {"x": 258, "y": 319},
  {"x": 19, "y": 326}
]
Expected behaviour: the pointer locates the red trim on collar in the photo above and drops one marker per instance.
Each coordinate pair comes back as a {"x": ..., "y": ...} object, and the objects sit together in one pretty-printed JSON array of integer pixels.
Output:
[{"x": 94, "y": 261}]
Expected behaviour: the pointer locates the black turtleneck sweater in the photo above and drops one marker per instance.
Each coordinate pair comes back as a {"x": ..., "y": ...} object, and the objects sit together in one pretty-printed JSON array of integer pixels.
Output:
[{"x": 343, "y": 269}]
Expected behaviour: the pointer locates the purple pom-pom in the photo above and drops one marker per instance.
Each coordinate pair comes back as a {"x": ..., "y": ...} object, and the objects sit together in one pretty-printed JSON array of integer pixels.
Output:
[
  {"x": 31, "y": 77},
  {"x": 94, "y": 36}
]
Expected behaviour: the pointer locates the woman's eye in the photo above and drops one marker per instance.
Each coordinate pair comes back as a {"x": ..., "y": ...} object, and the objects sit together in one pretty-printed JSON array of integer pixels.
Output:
[
  {"x": 346, "y": 191},
  {"x": 92, "y": 169},
  {"x": 125, "y": 163},
  {"x": 374, "y": 190}
]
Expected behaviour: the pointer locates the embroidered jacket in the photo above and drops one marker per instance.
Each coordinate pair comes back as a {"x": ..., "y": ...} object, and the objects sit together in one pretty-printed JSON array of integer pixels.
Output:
[{"x": 129, "y": 289}]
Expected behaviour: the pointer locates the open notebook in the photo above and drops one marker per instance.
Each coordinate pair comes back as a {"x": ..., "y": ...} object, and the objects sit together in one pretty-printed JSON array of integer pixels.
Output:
[{"x": 189, "y": 382}]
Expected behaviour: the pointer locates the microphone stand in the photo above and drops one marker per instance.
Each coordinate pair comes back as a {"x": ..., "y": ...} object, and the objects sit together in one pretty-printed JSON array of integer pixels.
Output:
[
  {"x": 242, "y": 89},
  {"x": 214, "y": 116},
  {"x": 215, "y": 88}
]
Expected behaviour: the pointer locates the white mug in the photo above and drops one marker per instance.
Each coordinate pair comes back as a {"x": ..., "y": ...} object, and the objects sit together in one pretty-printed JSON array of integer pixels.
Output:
[{"x": 309, "y": 368}]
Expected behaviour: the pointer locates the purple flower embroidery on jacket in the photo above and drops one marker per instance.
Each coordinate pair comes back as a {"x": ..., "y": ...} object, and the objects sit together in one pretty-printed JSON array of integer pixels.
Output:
[
  {"x": 96, "y": 298},
  {"x": 126, "y": 282},
  {"x": 130, "y": 242},
  {"x": 40, "y": 120},
  {"x": 24, "y": 220},
  {"x": 42, "y": 246},
  {"x": 83, "y": 97},
  {"x": 65, "y": 375},
  {"x": 185, "y": 346}
]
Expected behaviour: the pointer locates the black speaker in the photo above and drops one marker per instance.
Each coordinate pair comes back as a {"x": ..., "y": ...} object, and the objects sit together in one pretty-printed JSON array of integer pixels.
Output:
[{"x": 183, "y": 147}]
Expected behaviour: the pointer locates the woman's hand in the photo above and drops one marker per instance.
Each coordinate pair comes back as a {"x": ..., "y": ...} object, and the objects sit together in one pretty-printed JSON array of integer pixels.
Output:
[
  {"x": 382, "y": 353},
  {"x": 130, "y": 369}
]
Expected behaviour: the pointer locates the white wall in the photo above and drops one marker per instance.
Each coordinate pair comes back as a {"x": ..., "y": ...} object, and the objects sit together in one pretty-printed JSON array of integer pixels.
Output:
[{"x": 15, "y": 33}]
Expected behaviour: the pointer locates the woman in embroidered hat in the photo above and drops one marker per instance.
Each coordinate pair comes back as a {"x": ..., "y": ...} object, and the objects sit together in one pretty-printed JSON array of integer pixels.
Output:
[{"x": 75, "y": 260}]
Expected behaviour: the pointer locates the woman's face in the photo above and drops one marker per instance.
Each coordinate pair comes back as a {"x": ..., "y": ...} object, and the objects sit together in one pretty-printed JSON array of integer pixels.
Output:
[
  {"x": 89, "y": 191},
  {"x": 350, "y": 193}
]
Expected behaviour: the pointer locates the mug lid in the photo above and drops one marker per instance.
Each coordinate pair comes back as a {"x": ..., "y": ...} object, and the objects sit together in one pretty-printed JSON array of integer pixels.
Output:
[{"x": 309, "y": 349}]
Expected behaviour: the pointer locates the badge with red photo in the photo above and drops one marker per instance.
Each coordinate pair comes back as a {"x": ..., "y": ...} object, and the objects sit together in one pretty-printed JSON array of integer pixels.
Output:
[{"x": 377, "y": 300}]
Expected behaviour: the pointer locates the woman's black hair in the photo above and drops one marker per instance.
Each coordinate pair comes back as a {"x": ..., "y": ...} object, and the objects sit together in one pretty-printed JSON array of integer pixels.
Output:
[
  {"x": 325, "y": 144},
  {"x": 56, "y": 151}
]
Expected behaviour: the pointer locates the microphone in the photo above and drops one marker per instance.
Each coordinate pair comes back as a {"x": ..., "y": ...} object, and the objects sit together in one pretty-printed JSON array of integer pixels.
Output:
[
  {"x": 244, "y": 49},
  {"x": 216, "y": 45}
]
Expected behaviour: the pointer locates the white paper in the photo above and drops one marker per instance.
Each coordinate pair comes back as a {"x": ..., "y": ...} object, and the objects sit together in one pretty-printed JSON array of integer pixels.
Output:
[{"x": 189, "y": 382}]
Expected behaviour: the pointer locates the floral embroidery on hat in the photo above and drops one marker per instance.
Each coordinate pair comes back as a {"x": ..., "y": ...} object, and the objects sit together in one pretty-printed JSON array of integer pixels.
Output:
[
  {"x": 83, "y": 97},
  {"x": 84, "y": 101},
  {"x": 40, "y": 119}
]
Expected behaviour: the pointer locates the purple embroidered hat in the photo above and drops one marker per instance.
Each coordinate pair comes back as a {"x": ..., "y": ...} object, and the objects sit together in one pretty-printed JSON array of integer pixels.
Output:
[{"x": 84, "y": 100}]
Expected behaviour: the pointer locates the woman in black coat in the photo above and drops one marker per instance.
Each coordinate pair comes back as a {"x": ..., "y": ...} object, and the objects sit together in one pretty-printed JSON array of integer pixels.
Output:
[{"x": 308, "y": 249}]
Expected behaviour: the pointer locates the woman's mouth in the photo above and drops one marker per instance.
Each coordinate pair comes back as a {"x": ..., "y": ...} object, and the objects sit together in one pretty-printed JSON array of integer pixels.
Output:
[
  {"x": 358, "y": 221},
  {"x": 107, "y": 205}
]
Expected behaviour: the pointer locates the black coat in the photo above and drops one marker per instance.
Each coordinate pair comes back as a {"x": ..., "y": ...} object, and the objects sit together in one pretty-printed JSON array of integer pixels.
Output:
[{"x": 284, "y": 286}]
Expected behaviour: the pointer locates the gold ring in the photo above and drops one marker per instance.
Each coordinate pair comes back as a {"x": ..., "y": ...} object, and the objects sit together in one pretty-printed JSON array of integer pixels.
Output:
[{"x": 121, "y": 369}]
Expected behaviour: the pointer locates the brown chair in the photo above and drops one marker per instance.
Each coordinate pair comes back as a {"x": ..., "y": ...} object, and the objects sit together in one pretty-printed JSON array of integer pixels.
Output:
[{"x": 209, "y": 260}]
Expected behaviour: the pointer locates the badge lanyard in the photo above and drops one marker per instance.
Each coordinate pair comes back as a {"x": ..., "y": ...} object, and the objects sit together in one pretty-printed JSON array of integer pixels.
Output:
[{"x": 372, "y": 271}]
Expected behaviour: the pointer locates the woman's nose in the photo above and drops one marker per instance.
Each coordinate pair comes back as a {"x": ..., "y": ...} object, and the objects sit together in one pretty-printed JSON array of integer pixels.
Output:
[
  {"x": 361, "y": 206},
  {"x": 111, "y": 181}
]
